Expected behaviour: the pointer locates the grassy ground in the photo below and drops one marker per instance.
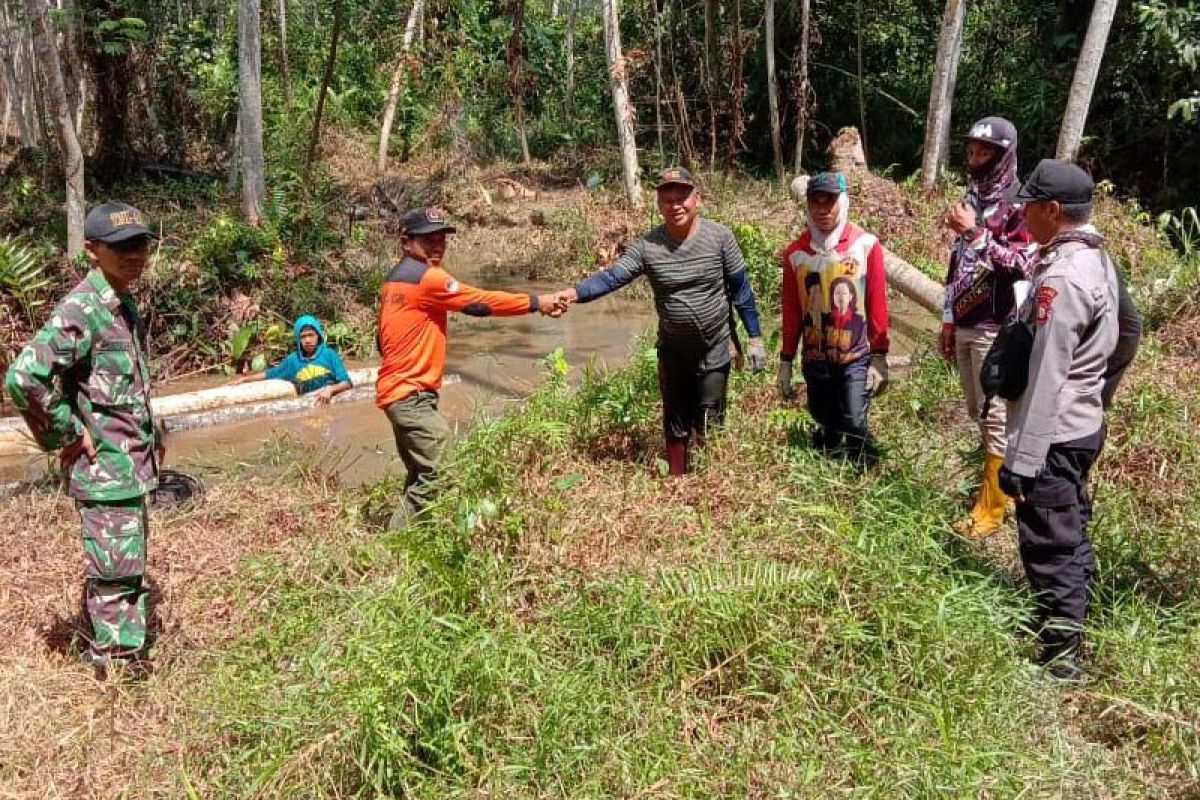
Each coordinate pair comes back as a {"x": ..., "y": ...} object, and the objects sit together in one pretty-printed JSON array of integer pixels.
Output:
[{"x": 569, "y": 623}]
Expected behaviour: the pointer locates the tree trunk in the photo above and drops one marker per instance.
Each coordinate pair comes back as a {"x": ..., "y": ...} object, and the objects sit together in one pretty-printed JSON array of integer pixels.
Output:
[
  {"x": 737, "y": 93},
  {"x": 1084, "y": 83},
  {"x": 940, "y": 97},
  {"x": 553, "y": 9},
  {"x": 389, "y": 110},
  {"x": 284, "y": 70},
  {"x": 773, "y": 92},
  {"x": 64, "y": 123},
  {"x": 516, "y": 76},
  {"x": 73, "y": 71},
  {"x": 622, "y": 109},
  {"x": 944, "y": 141},
  {"x": 802, "y": 88},
  {"x": 711, "y": 78},
  {"x": 7, "y": 115},
  {"x": 37, "y": 106},
  {"x": 326, "y": 79},
  {"x": 658, "y": 80},
  {"x": 862, "y": 103},
  {"x": 18, "y": 96},
  {"x": 572, "y": 15},
  {"x": 254, "y": 188}
]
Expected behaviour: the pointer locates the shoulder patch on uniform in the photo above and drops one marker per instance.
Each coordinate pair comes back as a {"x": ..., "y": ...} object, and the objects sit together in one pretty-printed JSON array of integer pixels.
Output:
[
  {"x": 451, "y": 285},
  {"x": 1044, "y": 297},
  {"x": 408, "y": 270}
]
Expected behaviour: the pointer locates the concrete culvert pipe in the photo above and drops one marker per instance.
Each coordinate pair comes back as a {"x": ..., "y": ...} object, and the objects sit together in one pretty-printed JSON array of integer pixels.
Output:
[{"x": 15, "y": 438}]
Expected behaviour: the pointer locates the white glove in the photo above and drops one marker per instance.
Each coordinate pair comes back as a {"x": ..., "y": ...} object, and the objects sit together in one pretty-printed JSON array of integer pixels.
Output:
[
  {"x": 877, "y": 375},
  {"x": 783, "y": 380},
  {"x": 756, "y": 354}
]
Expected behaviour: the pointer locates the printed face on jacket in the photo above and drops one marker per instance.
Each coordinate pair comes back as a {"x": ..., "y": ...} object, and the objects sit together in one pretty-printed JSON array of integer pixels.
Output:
[{"x": 843, "y": 296}]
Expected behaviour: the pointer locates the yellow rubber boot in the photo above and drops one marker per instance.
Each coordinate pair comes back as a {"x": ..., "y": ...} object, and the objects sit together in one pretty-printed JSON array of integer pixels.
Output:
[{"x": 989, "y": 508}]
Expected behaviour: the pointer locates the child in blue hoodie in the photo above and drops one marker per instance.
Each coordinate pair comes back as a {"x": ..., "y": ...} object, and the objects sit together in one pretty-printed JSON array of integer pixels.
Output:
[{"x": 313, "y": 367}]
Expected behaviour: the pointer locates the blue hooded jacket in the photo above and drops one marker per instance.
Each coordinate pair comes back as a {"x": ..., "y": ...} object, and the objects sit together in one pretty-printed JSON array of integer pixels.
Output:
[{"x": 323, "y": 368}]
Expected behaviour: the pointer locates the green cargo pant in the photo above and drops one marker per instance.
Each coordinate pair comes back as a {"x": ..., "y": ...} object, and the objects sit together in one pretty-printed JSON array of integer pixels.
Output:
[
  {"x": 421, "y": 435},
  {"x": 114, "y": 556}
]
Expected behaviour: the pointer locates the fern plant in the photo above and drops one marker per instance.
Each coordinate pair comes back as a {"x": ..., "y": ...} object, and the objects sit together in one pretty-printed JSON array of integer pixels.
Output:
[{"x": 21, "y": 275}]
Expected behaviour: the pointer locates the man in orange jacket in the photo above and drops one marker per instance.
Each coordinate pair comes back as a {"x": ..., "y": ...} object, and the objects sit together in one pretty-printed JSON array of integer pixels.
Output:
[{"x": 414, "y": 300}]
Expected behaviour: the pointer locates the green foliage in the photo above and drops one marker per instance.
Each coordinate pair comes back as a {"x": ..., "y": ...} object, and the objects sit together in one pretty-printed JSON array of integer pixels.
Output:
[
  {"x": 118, "y": 36},
  {"x": 1175, "y": 288},
  {"x": 1175, "y": 28},
  {"x": 624, "y": 399},
  {"x": 762, "y": 251},
  {"x": 229, "y": 250},
  {"x": 21, "y": 275}
]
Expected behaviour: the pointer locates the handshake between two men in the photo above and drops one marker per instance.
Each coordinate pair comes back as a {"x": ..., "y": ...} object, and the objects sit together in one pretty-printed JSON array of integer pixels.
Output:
[{"x": 555, "y": 304}]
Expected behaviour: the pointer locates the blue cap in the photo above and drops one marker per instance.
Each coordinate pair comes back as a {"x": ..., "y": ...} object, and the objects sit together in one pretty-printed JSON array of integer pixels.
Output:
[{"x": 826, "y": 183}]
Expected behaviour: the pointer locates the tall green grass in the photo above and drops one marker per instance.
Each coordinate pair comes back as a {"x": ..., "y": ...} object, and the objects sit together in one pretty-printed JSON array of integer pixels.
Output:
[{"x": 790, "y": 627}]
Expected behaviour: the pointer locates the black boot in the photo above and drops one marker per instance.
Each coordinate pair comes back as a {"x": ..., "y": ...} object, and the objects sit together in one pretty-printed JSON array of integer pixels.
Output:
[{"x": 1060, "y": 658}]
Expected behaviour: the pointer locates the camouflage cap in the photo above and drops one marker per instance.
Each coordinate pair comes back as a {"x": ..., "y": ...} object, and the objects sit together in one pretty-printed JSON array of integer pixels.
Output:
[{"x": 115, "y": 222}]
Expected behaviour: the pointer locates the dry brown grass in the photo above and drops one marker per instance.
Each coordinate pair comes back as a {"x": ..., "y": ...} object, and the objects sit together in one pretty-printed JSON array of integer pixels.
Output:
[{"x": 65, "y": 732}]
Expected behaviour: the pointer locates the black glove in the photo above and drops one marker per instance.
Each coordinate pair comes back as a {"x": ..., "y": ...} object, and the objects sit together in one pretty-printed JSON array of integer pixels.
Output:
[{"x": 1012, "y": 484}]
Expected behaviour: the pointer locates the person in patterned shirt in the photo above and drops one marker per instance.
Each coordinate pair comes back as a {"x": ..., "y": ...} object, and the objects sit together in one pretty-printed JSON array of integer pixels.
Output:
[
  {"x": 835, "y": 314},
  {"x": 83, "y": 386},
  {"x": 992, "y": 253}
]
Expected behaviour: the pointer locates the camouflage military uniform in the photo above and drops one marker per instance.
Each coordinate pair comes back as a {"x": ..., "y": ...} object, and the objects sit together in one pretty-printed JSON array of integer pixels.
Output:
[{"x": 86, "y": 369}]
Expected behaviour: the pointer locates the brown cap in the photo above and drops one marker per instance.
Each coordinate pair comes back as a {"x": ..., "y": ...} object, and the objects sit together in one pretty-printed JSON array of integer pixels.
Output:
[{"x": 675, "y": 175}]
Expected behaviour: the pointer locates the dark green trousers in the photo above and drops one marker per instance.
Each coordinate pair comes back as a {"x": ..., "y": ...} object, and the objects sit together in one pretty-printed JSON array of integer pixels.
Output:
[{"x": 421, "y": 436}]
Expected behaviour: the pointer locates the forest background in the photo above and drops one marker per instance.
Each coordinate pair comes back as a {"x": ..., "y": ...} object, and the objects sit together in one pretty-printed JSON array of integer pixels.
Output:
[{"x": 250, "y": 141}]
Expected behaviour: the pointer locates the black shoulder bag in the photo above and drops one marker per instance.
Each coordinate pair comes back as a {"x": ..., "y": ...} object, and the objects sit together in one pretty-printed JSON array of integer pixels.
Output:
[{"x": 1005, "y": 370}]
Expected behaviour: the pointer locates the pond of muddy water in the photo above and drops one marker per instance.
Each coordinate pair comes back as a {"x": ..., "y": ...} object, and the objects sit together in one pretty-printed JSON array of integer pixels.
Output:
[{"x": 491, "y": 365}]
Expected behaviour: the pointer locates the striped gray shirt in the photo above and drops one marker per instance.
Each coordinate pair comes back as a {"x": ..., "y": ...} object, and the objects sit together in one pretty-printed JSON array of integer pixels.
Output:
[{"x": 688, "y": 282}]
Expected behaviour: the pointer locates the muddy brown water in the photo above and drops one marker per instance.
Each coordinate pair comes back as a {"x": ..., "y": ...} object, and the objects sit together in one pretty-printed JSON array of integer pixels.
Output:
[{"x": 492, "y": 364}]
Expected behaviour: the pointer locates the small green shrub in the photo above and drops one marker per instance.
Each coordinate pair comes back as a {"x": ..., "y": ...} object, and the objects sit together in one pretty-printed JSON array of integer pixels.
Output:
[
  {"x": 761, "y": 249},
  {"x": 229, "y": 250}
]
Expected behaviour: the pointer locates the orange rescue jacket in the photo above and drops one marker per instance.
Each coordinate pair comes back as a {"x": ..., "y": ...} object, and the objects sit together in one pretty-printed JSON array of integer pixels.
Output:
[{"x": 414, "y": 300}]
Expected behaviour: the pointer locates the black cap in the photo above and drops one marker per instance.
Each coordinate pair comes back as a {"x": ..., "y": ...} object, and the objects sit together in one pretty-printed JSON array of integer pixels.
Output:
[
  {"x": 675, "y": 175},
  {"x": 420, "y": 221},
  {"x": 114, "y": 222},
  {"x": 826, "y": 183},
  {"x": 995, "y": 131},
  {"x": 1057, "y": 180}
]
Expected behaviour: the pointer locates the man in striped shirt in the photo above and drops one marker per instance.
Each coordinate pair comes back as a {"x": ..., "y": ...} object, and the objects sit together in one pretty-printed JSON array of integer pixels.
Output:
[{"x": 696, "y": 271}]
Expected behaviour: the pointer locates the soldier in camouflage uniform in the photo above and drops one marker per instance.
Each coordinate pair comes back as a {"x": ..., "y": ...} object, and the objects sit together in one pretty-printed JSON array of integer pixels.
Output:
[{"x": 83, "y": 387}]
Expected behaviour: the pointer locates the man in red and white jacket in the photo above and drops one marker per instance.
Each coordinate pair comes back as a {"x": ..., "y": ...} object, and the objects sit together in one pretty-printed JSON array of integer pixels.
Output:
[{"x": 835, "y": 303}]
